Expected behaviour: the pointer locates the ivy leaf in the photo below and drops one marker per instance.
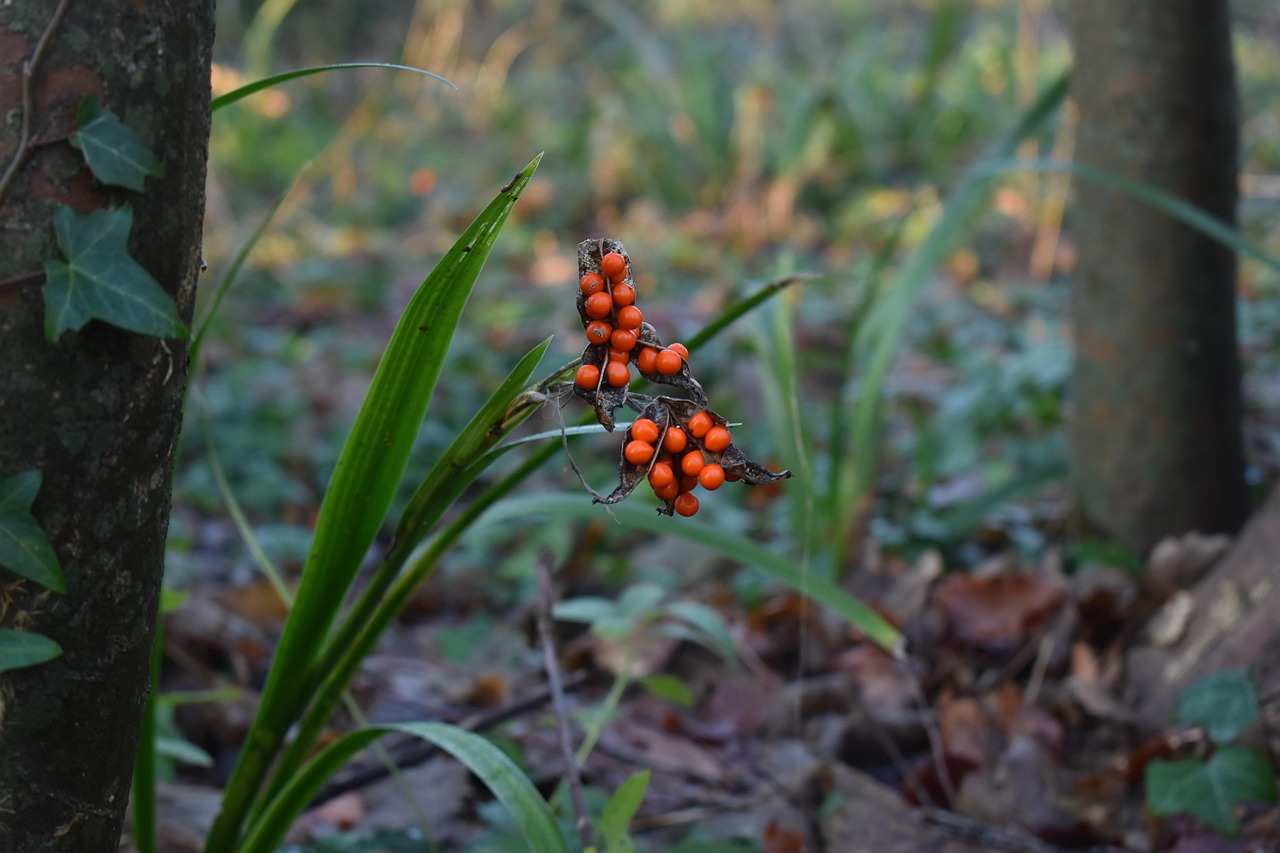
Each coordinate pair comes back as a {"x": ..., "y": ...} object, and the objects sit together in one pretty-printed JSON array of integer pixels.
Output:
[
  {"x": 114, "y": 152},
  {"x": 24, "y": 547},
  {"x": 1210, "y": 790},
  {"x": 100, "y": 281},
  {"x": 21, "y": 648},
  {"x": 1226, "y": 703}
]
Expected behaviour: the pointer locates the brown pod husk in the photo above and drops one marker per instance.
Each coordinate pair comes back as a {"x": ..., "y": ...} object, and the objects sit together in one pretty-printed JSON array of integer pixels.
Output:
[
  {"x": 630, "y": 476},
  {"x": 683, "y": 380}
]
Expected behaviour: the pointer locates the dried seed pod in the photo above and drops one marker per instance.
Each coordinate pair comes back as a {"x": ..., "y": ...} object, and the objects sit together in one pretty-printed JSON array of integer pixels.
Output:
[
  {"x": 682, "y": 379},
  {"x": 630, "y": 474}
]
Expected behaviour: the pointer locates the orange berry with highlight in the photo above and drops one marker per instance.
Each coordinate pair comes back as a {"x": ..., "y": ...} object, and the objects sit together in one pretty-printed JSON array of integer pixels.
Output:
[
  {"x": 668, "y": 363},
  {"x": 619, "y": 355},
  {"x": 717, "y": 439},
  {"x": 645, "y": 430},
  {"x": 674, "y": 440},
  {"x": 711, "y": 477},
  {"x": 623, "y": 340},
  {"x": 599, "y": 305},
  {"x": 591, "y": 283},
  {"x": 686, "y": 504},
  {"x": 700, "y": 424},
  {"x": 680, "y": 348},
  {"x": 647, "y": 359},
  {"x": 623, "y": 295},
  {"x": 638, "y": 452},
  {"x": 629, "y": 317},
  {"x": 587, "y": 377},
  {"x": 598, "y": 332},
  {"x": 614, "y": 266},
  {"x": 692, "y": 463},
  {"x": 661, "y": 475},
  {"x": 617, "y": 373}
]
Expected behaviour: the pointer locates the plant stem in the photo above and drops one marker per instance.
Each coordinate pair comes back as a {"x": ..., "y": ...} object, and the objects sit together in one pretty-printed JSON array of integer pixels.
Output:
[
  {"x": 29, "y": 69},
  {"x": 547, "y": 630}
]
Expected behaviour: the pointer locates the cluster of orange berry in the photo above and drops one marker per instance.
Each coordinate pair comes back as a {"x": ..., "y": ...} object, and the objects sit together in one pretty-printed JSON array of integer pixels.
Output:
[{"x": 677, "y": 444}]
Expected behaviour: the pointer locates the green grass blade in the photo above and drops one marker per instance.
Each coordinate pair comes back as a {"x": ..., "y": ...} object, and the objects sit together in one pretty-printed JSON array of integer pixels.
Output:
[
  {"x": 781, "y": 568},
  {"x": 880, "y": 335},
  {"x": 1185, "y": 212},
  {"x": 498, "y": 772},
  {"x": 743, "y": 306},
  {"x": 363, "y": 484},
  {"x": 238, "y": 262},
  {"x": 495, "y": 420},
  {"x": 285, "y": 76}
]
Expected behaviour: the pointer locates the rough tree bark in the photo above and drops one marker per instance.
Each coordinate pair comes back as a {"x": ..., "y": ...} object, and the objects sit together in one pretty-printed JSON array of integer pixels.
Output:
[
  {"x": 1155, "y": 434},
  {"x": 98, "y": 411}
]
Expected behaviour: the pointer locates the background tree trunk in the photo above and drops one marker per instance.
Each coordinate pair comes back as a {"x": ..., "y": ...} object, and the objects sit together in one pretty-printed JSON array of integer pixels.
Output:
[
  {"x": 1155, "y": 432},
  {"x": 98, "y": 411}
]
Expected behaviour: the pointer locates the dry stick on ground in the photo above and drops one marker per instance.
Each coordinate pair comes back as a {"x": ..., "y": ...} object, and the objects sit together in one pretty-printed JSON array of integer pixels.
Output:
[
  {"x": 29, "y": 68},
  {"x": 413, "y": 751},
  {"x": 546, "y": 628}
]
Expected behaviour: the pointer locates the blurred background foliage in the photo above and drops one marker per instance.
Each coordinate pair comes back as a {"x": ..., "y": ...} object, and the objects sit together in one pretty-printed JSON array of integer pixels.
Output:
[{"x": 725, "y": 144}]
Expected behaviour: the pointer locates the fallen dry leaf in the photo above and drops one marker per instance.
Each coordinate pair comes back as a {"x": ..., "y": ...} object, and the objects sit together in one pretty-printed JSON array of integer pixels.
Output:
[{"x": 995, "y": 613}]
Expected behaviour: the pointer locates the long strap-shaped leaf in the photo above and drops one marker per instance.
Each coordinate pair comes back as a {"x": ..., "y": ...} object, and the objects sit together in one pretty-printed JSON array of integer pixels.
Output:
[
  {"x": 481, "y": 757},
  {"x": 364, "y": 482},
  {"x": 781, "y": 568}
]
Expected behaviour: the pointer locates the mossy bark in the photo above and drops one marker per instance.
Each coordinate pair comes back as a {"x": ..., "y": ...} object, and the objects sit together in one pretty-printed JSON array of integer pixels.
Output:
[
  {"x": 1156, "y": 422},
  {"x": 97, "y": 411}
]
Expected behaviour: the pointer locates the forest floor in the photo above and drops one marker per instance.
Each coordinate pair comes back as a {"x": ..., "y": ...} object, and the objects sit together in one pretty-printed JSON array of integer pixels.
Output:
[{"x": 1040, "y": 676}]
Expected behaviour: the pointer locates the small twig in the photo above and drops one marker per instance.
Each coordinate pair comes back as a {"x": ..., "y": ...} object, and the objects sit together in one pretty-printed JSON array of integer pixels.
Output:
[
  {"x": 29, "y": 68},
  {"x": 34, "y": 275},
  {"x": 546, "y": 628},
  {"x": 414, "y": 752}
]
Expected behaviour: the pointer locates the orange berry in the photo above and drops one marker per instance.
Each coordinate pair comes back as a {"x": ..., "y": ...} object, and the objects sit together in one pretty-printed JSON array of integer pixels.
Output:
[
  {"x": 680, "y": 348},
  {"x": 686, "y": 504},
  {"x": 617, "y": 374},
  {"x": 661, "y": 475},
  {"x": 668, "y": 363},
  {"x": 711, "y": 477},
  {"x": 638, "y": 452},
  {"x": 645, "y": 430},
  {"x": 692, "y": 463},
  {"x": 700, "y": 424},
  {"x": 591, "y": 282},
  {"x": 614, "y": 266},
  {"x": 599, "y": 305},
  {"x": 629, "y": 317},
  {"x": 667, "y": 492},
  {"x": 688, "y": 484},
  {"x": 598, "y": 332},
  {"x": 647, "y": 359},
  {"x": 587, "y": 377},
  {"x": 674, "y": 439},
  {"x": 623, "y": 340},
  {"x": 717, "y": 439},
  {"x": 619, "y": 355},
  {"x": 623, "y": 294}
]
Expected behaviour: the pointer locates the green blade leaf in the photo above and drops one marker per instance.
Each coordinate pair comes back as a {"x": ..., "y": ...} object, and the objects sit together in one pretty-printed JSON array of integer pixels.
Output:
[
  {"x": 19, "y": 649},
  {"x": 100, "y": 281},
  {"x": 619, "y": 811},
  {"x": 781, "y": 568},
  {"x": 115, "y": 154},
  {"x": 364, "y": 482},
  {"x": 1226, "y": 703},
  {"x": 24, "y": 547},
  {"x": 276, "y": 79},
  {"x": 492, "y": 766},
  {"x": 1210, "y": 790}
]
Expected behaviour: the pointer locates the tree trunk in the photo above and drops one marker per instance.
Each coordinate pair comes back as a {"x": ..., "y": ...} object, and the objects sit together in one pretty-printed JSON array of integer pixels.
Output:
[
  {"x": 98, "y": 411},
  {"x": 1155, "y": 431}
]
